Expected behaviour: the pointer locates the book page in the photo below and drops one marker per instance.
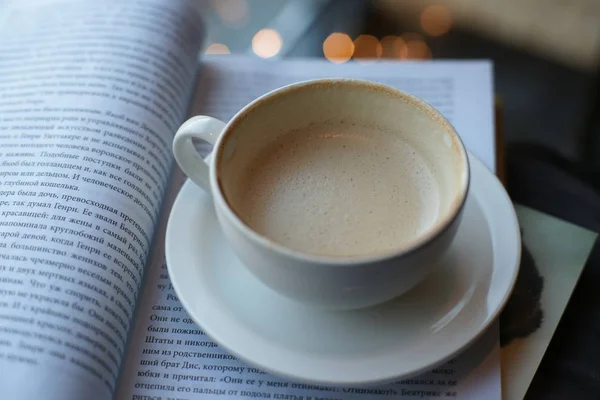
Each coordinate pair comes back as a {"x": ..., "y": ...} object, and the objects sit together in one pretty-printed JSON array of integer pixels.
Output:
[
  {"x": 172, "y": 357},
  {"x": 91, "y": 94}
]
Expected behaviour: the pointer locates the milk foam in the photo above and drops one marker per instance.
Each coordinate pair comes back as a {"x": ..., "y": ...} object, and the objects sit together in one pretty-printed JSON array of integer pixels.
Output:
[{"x": 339, "y": 190}]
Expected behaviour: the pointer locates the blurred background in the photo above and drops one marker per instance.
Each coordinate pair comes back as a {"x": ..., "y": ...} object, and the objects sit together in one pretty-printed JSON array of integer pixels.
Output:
[{"x": 545, "y": 52}]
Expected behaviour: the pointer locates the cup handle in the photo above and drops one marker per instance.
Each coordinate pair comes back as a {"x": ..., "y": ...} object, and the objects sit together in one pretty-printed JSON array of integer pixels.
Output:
[{"x": 200, "y": 127}]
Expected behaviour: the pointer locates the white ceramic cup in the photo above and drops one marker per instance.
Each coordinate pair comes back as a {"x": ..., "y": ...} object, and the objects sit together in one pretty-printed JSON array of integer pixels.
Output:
[{"x": 328, "y": 281}]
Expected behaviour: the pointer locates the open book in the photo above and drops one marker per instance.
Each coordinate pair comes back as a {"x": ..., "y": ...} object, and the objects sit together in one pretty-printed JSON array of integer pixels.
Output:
[{"x": 91, "y": 94}]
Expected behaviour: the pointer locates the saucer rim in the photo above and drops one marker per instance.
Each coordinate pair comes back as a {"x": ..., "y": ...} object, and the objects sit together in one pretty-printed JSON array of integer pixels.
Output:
[{"x": 486, "y": 175}]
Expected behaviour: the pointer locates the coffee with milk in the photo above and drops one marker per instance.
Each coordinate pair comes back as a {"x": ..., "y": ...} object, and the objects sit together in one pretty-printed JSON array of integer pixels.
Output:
[
  {"x": 338, "y": 193},
  {"x": 339, "y": 189}
]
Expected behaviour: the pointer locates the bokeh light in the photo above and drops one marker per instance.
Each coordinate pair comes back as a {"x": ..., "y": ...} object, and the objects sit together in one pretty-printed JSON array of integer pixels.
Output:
[
  {"x": 411, "y": 36},
  {"x": 338, "y": 47},
  {"x": 416, "y": 48},
  {"x": 436, "y": 20},
  {"x": 217, "y": 48},
  {"x": 232, "y": 12},
  {"x": 367, "y": 48},
  {"x": 266, "y": 43},
  {"x": 393, "y": 47}
]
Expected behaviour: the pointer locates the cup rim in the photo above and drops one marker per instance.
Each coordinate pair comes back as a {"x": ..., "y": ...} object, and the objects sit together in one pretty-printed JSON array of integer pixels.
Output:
[{"x": 440, "y": 226}]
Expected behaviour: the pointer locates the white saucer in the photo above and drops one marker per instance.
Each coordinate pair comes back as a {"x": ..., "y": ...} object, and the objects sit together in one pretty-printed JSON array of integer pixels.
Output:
[{"x": 402, "y": 338}]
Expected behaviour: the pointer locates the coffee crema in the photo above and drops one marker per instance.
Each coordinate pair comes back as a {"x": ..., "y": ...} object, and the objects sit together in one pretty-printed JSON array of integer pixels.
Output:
[{"x": 339, "y": 190}]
